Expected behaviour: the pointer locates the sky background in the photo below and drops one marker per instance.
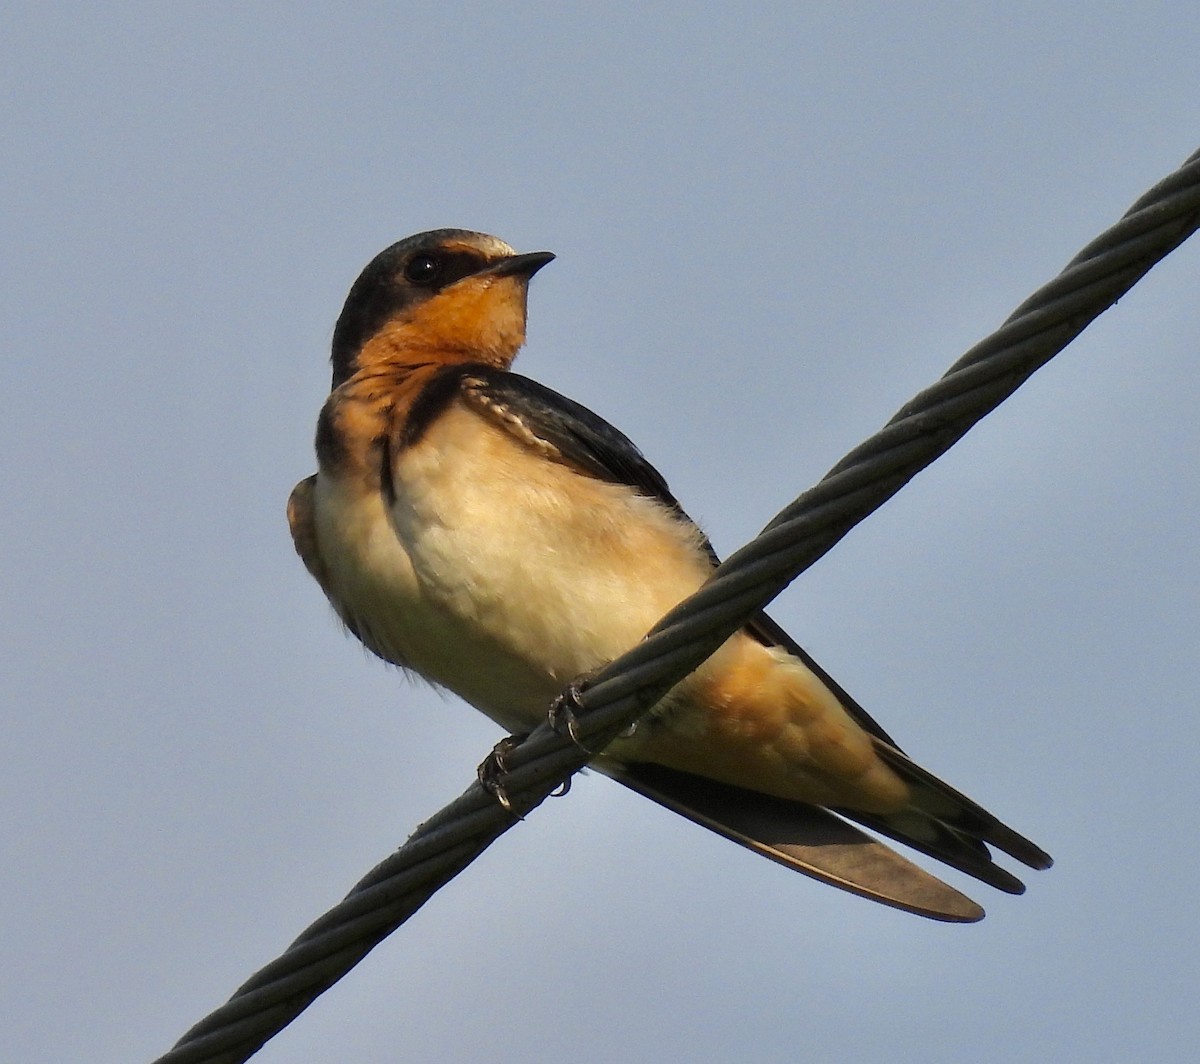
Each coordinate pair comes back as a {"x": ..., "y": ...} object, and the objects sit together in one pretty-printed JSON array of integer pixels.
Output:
[{"x": 774, "y": 225}]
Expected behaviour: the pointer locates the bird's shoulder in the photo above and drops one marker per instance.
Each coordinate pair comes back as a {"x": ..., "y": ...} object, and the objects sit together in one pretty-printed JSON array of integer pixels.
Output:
[{"x": 559, "y": 428}]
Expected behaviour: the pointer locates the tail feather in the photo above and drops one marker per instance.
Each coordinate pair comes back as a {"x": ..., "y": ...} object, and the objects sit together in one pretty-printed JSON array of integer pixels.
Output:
[
  {"x": 944, "y": 823},
  {"x": 803, "y": 837},
  {"x": 935, "y": 838},
  {"x": 940, "y": 800}
]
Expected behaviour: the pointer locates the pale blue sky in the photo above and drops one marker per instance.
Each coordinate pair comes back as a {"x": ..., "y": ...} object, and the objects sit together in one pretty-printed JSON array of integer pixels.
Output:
[{"x": 774, "y": 225}]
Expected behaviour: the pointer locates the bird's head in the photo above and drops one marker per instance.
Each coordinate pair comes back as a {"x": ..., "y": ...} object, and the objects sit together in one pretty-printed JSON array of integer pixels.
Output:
[{"x": 448, "y": 295}]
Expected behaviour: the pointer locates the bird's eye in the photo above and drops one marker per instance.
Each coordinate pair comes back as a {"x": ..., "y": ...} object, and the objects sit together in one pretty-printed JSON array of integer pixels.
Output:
[{"x": 423, "y": 269}]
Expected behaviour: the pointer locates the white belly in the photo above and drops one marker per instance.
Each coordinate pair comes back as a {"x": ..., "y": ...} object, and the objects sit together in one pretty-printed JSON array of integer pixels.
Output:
[{"x": 498, "y": 574}]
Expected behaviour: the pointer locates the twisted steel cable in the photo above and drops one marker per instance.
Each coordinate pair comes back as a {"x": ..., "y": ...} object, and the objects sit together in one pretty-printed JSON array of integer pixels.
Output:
[{"x": 612, "y": 700}]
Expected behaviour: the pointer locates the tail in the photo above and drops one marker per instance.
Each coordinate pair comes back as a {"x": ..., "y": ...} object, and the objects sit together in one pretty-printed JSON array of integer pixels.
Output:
[
  {"x": 940, "y": 821},
  {"x": 802, "y": 837},
  {"x": 945, "y": 824}
]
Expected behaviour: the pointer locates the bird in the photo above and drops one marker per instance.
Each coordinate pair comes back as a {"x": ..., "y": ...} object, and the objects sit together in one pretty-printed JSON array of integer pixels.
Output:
[{"x": 483, "y": 532}]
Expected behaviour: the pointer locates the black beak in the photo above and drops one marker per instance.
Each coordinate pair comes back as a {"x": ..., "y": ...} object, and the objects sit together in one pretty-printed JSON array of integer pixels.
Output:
[{"x": 520, "y": 265}]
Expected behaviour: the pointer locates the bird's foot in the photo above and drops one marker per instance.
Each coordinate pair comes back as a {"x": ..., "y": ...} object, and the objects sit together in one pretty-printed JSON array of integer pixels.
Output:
[
  {"x": 564, "y": 714},
  {"x": 494, "y": 768}
]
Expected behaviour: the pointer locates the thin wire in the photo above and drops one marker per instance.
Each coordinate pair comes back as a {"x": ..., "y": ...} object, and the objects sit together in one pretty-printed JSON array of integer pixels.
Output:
[{"x": 860, "y": 483}]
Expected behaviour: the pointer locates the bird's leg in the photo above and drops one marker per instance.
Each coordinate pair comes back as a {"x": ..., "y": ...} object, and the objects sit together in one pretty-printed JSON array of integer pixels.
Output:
[
  {"x": 564, "y": 713},
  {"x": 493, "y": 768}
]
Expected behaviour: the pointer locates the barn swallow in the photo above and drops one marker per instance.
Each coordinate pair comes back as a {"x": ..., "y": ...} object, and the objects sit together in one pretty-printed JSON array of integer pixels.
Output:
[{"x": 490, "y": 535}]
